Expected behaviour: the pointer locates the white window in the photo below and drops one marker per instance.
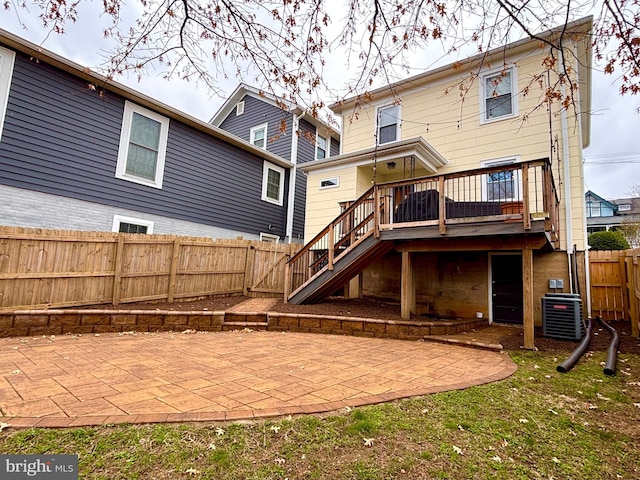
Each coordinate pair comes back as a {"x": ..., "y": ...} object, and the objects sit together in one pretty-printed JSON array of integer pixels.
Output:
[
  {"x": 330, "y": 183},
  {"x": 321, "y": 147},
  {"x": 272, "y": 183},
  {"x": 131, "y": 225},
  {"x": 7, "y": 58},
  {"x": 388, "y": 124},
  {"x": 259, "y": 136},
  {"x": 499, "y": 94},
  {"x": 594, "y": 208},
  {"x": 240, "y": 108},
  {"x": 269, "y": 237},
  {"x": 143, "y": 146},
  {"x": 624, "y": 208},
  {"x": 503, "y": 185}
]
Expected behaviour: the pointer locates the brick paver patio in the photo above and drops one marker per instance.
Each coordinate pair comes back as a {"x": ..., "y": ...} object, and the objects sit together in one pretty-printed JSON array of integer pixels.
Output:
[{"x": 77, "y": 380}]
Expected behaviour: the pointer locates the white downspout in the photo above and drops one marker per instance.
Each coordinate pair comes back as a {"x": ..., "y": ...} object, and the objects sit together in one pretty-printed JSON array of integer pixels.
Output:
[
  {"x": 292, "y": 178},
  {"x": 567, "y": 179}
]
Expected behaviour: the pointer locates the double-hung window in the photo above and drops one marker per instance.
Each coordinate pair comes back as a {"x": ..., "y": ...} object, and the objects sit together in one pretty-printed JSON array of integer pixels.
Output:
[
  {"x": 258, "y": 136},
  {"x": 388, "y": 124},
  {"x": 499, "y": 95},
  {"x": 143, "y": 146},
  {"x": 321, "y": 147},
  {"x": 272, "y": 183}
]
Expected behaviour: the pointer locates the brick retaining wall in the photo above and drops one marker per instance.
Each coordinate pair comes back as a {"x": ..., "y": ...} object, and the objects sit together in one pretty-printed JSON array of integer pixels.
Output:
[{"x": 57, "y": 322}]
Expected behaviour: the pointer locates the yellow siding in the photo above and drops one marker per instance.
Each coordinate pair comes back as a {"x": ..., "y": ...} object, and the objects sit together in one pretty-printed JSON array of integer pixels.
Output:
[
  {"x": 323, "y": 205},
  {"x": 455, "y": 129}
]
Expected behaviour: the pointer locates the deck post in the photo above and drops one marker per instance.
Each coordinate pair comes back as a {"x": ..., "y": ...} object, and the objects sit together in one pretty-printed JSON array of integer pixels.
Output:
[
  {"x": 353, "y": 288},
  {"x": 527, "y": 304},
  {"x": 407, "y": 287}
]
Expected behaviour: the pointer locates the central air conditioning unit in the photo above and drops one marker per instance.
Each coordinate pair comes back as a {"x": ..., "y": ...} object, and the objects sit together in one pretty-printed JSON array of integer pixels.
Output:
[{"x": 562, "y": 316}]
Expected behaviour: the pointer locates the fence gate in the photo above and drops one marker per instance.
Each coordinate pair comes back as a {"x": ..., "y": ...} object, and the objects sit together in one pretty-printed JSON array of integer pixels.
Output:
[
  {"x": 609, "y": 297},
  {"x": 267, "y": 270}
]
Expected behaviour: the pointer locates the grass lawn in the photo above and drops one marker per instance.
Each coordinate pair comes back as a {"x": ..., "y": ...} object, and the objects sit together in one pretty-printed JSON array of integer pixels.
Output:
[{"x": 536, "y": 424}]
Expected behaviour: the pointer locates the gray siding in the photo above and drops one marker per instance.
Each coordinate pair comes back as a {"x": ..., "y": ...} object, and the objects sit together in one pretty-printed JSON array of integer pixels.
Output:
[
  {"x": 335, "y": 147},
  {"x": 306, "y": 153},
  {"x": 257, "y": 112},
  {"x": 62, "y": 138}
]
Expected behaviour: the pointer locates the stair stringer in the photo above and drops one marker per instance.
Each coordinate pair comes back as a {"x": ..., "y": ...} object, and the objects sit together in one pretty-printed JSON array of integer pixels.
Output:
[{"x": 350, "y": 264}]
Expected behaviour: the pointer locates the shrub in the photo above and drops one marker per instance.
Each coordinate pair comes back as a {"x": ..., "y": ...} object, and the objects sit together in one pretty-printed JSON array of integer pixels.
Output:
[{"x": 609, "y": 240}]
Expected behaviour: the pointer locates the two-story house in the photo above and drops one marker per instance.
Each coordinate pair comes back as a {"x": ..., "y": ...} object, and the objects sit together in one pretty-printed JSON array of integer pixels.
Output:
[
  {"x": 603, "y": 215},
  {"x": 288, "y": 130},
  {"x": 459, "y": 190},
  {"x": 79, "y": 152}
]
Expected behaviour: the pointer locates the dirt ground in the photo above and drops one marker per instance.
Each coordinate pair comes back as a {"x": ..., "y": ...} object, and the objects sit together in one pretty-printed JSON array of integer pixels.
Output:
[{"x": 388, "y": 310}]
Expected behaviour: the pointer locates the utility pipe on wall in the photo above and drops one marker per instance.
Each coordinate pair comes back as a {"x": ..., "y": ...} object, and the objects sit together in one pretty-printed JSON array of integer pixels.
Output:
[{"x": 567, "y": 179}]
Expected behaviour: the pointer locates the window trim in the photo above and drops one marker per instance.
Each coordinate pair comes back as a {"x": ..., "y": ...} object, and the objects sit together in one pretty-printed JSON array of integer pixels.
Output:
[
  {"x": 326, "y": 146},
  {"x": 517, "y": 178},
  {"x": 398, "y": 117},
  {"x": 7, "y": 61},
  {"x": 336, "y": 179},
  {"x": 265, "y": 176},
  {"x": 513, "y": 71},
  {"x": 125, "y": 135},
  {"x": 239, "y": 108},
  {"x": 118, "y": 219},
  {"x": 253, "y": 131},
  {"x": 624, "y": 207}
]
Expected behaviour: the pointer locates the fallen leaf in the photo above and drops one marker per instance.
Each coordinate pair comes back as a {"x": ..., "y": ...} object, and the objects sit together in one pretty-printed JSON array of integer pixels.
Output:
[
  {"x": 555, "y": 460},
  {"x": 637, "y": 405},
  {"x": 192, "y": 471},
  {"x": 458, "y": 450},
  {"x": 505, "y": 443},
  {"x": 368, "y": 442},
  {"x": 536, "y": 367},
  {"x": 212, "y": 446},
  {"x": 496, "y": 459},
  {"x": 553, "y": 411},
  {"x": 219, "y": 431},
  {"x": 279, "y": 461},
  {"x": 524, "y": 420},
  {"x": 461, "y": 428},
  {"x": 4, "y": 425},
  {"x": 275, "y": 428}
]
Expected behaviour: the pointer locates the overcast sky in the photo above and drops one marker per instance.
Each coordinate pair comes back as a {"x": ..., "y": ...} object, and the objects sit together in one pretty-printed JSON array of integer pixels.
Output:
[{"x": 612, "y": 161}]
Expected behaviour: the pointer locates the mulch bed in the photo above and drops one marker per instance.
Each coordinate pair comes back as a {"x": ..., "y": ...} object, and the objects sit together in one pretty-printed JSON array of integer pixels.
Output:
[{"x": 386, "y": 310}]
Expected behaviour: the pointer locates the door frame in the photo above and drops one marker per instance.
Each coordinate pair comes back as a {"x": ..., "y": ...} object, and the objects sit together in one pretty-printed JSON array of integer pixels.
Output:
[{"x": 490, "y": 277}]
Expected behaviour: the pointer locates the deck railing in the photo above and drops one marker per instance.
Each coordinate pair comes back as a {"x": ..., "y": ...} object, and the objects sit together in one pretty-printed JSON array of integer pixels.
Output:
[{"x": 521, "y": 192}]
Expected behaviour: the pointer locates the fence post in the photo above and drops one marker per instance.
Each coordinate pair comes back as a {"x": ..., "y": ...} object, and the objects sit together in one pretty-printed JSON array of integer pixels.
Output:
[
  {"x": 624, "y": 282},
  {"x": 526, "y": 217},
  {"x": 248, "y": 269},
  {"x": 634, "y": 289},
  {"x": 117, "y": 277},
  {"x": 174, "y": 269}
]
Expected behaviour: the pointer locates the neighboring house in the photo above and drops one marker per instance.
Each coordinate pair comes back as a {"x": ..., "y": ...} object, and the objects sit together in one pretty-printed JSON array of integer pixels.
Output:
[
  {"x": 605, "y": 215},
  {"x": 78, "y": 152},
  {"x": 477, "y": 206},
  {"x": 285, "y": 129}
]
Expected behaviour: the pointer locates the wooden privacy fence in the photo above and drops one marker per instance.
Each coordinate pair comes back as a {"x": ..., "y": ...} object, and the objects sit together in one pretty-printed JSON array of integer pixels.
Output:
[
  {"x": 49, "y": 268},
  {"x": 615, "y": 285}
]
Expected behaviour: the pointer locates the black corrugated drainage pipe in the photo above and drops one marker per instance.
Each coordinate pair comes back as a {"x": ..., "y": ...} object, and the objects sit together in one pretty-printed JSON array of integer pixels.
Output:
[
  {"x": 612, "y": 353},
  {"x": 568, "y": 364}
]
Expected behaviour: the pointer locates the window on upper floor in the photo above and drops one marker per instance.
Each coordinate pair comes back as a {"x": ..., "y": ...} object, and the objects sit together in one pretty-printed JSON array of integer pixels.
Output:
[
  {"x": 499, "y": 95},
  {"x": 131, "y": 225},
  {"x": 143, "y": 146},
  {"x": 321, "y": 147},
  {"x": 625, "y": 207},
  {"x": 7, "y": 58},
  {"x": 272, "y": 183},
  {"x": 594, "y": 208},
  {"x": 330, "y": 183},
  {"x": 258, "y": 135},
  {"x": 240, "y": 108},
  {"x": 388, "y": 124}
]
